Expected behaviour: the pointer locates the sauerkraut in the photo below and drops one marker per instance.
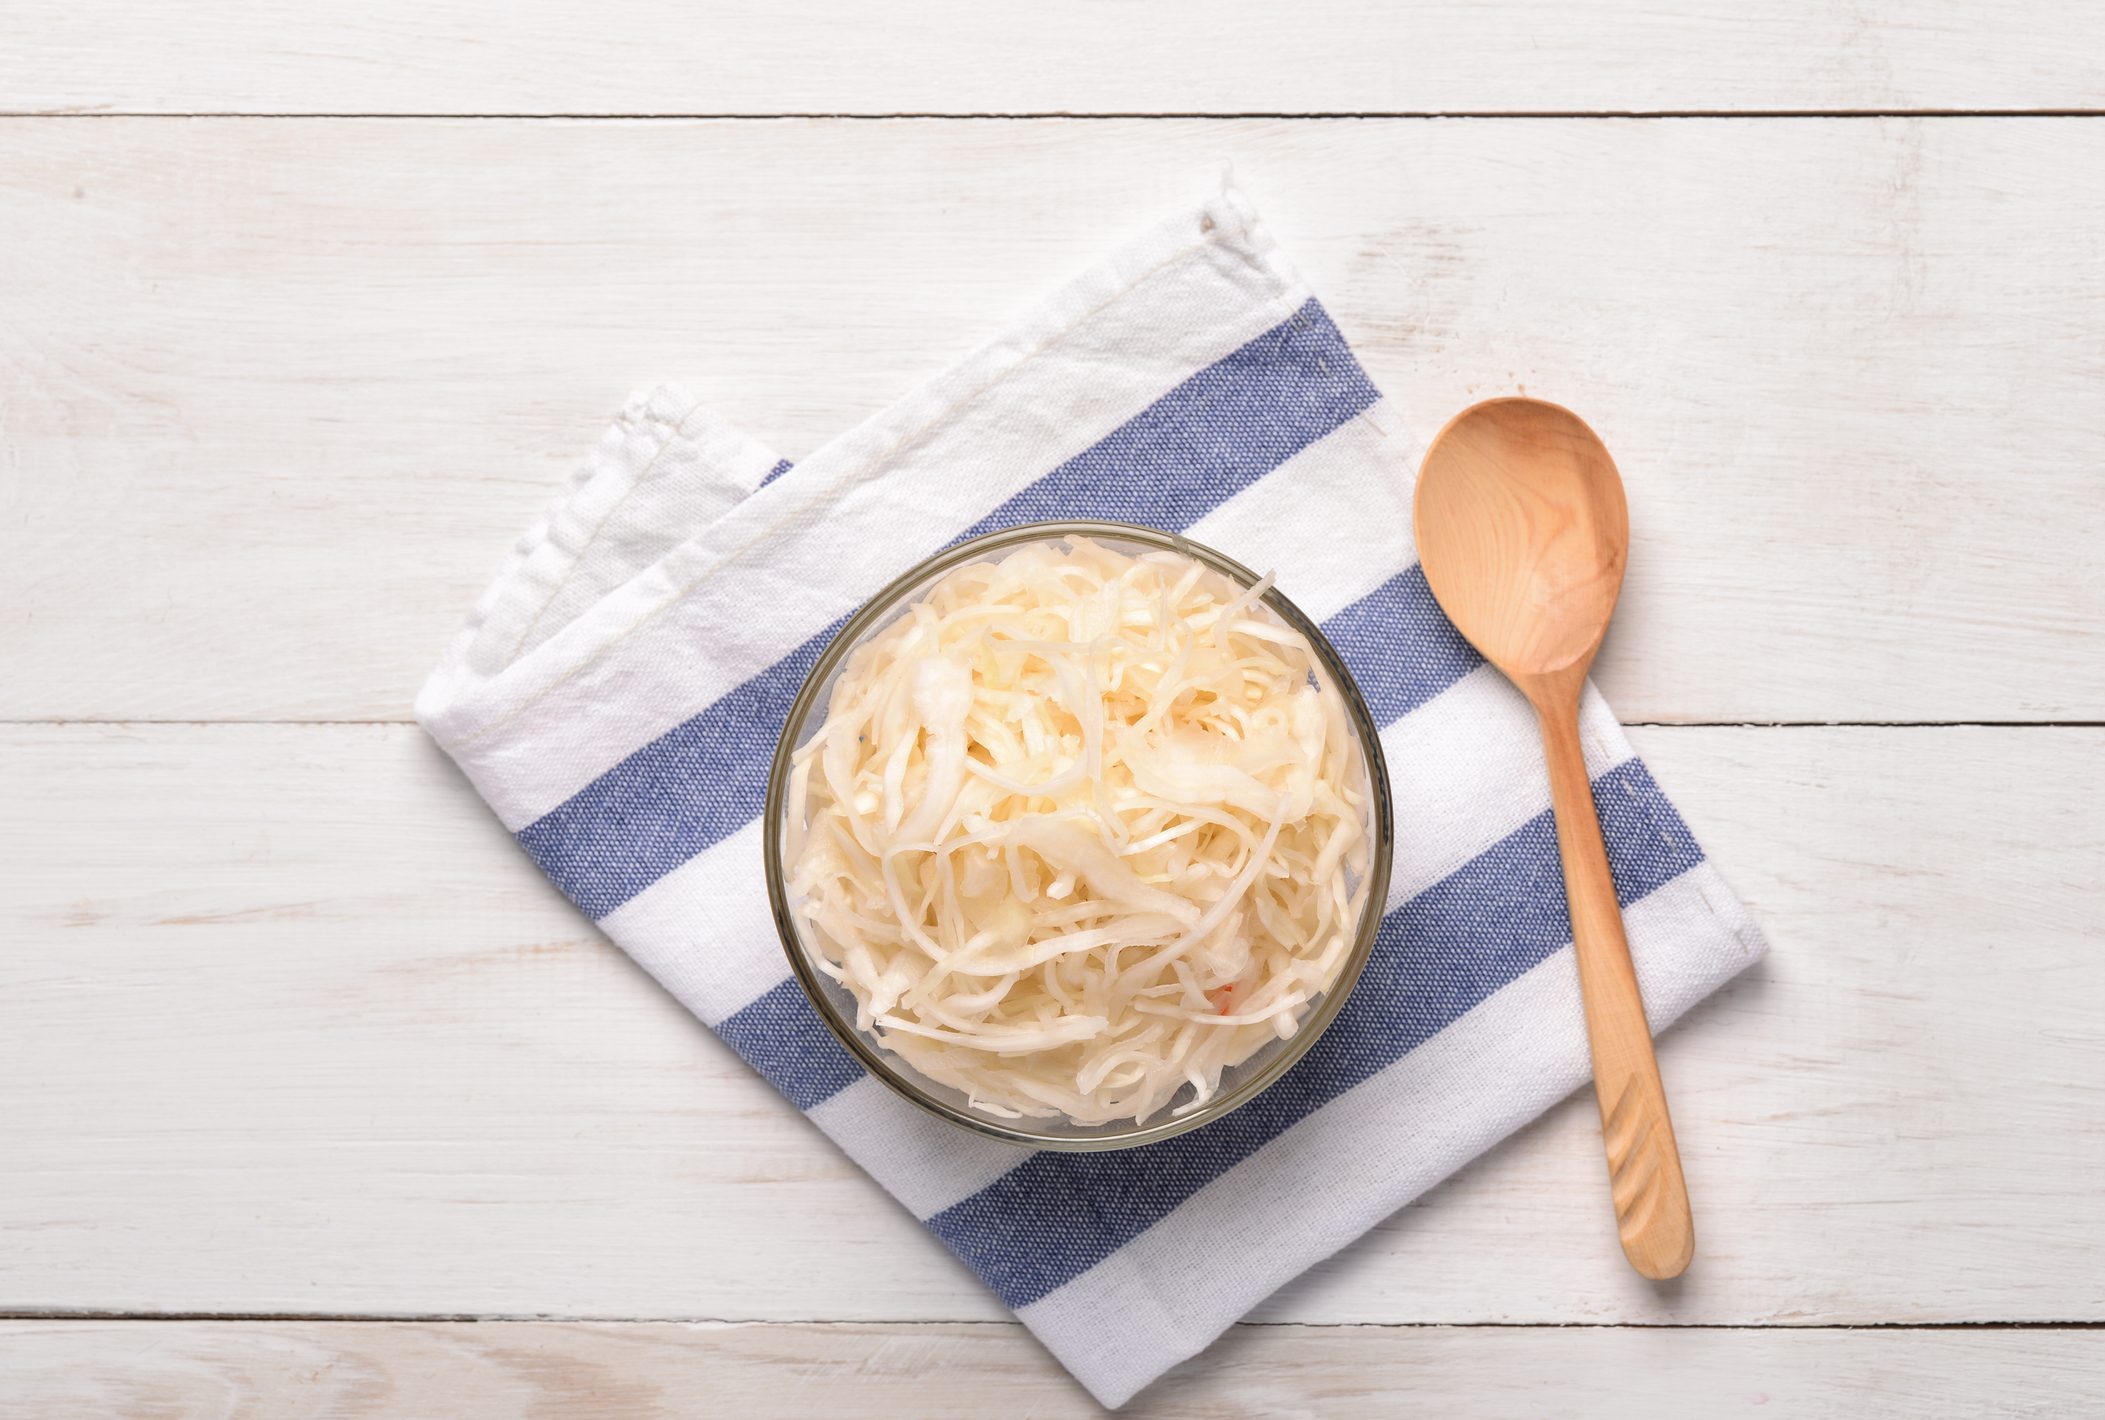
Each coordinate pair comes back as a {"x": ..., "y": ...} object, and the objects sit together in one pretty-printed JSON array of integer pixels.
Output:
[{"x": 1080, "y": 831}]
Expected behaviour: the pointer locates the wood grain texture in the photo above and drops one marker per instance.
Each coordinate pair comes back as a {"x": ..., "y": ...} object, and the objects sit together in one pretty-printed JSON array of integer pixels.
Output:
[
  {"x": 288, "y": 1026},
  {"x": 951, "y": 56},
  {"x": 643, "y": 1371},
  {"x": 275, "y": 396},
  {"x": 293, "y": 1027}
]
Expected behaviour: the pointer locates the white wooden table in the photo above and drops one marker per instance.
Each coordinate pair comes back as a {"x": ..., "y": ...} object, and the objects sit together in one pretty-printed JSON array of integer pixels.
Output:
[{"x": 315, "y": 1100}]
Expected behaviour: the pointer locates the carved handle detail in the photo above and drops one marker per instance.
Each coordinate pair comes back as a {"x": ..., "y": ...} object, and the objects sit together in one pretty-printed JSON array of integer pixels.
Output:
[{"x": 1644, "y": 1164}]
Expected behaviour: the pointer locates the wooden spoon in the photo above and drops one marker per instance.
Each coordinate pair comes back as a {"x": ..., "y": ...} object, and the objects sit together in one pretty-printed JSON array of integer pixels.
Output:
[{"x": 1523, "y": 535}]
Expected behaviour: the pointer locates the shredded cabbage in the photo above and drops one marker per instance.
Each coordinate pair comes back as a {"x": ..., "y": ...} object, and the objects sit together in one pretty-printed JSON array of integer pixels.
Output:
[{"x": 1080, "y": 831}]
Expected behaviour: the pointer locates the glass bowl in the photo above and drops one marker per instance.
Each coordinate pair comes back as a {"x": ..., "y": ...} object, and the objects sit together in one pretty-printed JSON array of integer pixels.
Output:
[{"x": 836, "y": 1005}]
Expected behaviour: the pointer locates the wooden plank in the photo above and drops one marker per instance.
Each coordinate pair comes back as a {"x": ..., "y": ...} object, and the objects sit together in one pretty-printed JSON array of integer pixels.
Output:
[
  {"x": 582, "y": 1370},
  {"x": 1182, "y": 56},
  {"x": 292, "y": 1027},
  {"x": 277, "y": 395}
]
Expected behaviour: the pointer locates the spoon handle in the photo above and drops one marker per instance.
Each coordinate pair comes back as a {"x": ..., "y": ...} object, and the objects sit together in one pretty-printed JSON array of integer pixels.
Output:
[{"x": 1644, "y": 1164}]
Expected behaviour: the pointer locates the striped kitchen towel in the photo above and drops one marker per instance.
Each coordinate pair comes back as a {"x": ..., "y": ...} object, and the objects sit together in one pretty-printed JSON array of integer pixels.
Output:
[{"x": 617, "y": 693}]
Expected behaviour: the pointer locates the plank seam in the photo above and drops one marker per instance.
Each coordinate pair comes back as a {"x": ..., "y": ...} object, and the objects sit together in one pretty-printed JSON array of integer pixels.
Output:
[
  {"x": 568, "y": 1319},
  {"x": 146, "y": 723},
  {"x": 1062, "y": 115}
]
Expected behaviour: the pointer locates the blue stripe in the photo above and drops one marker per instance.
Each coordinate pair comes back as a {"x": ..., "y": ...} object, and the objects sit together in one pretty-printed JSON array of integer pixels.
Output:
[
  {"x": 1213, "y": 436},
  {"x": 1401, "y": 649},
  {"x": 782, "y": 1037},
  {"x": 1200, "y": 444},
  {"x": 698, "y": 783},
  {"x": 782, "y": 467},
  {"x": 1052, "y": 1218}
]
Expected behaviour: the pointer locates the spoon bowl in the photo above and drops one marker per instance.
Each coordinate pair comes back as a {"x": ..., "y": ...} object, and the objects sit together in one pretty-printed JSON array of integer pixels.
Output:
[{"x": 1523, "y": 534}]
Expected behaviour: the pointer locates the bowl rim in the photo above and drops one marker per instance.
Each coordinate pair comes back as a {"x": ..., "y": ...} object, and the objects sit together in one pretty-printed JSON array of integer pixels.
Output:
[{"x": 872, "y": 1056}]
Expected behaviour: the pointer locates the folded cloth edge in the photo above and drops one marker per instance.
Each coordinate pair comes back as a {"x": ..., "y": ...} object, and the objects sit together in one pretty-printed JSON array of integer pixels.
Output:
[{"x": 470, "y": 694}]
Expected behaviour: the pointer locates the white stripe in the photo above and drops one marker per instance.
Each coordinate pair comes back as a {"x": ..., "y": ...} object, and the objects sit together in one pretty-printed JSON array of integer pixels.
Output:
[
  {"x": 1344, "y": 1168},
  {"x": 925, "y": 1162},
  {"x": 1333, "y": 522},
  {"x": 704, "y": 930},
  {"x": 1466, "y": 769}
]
